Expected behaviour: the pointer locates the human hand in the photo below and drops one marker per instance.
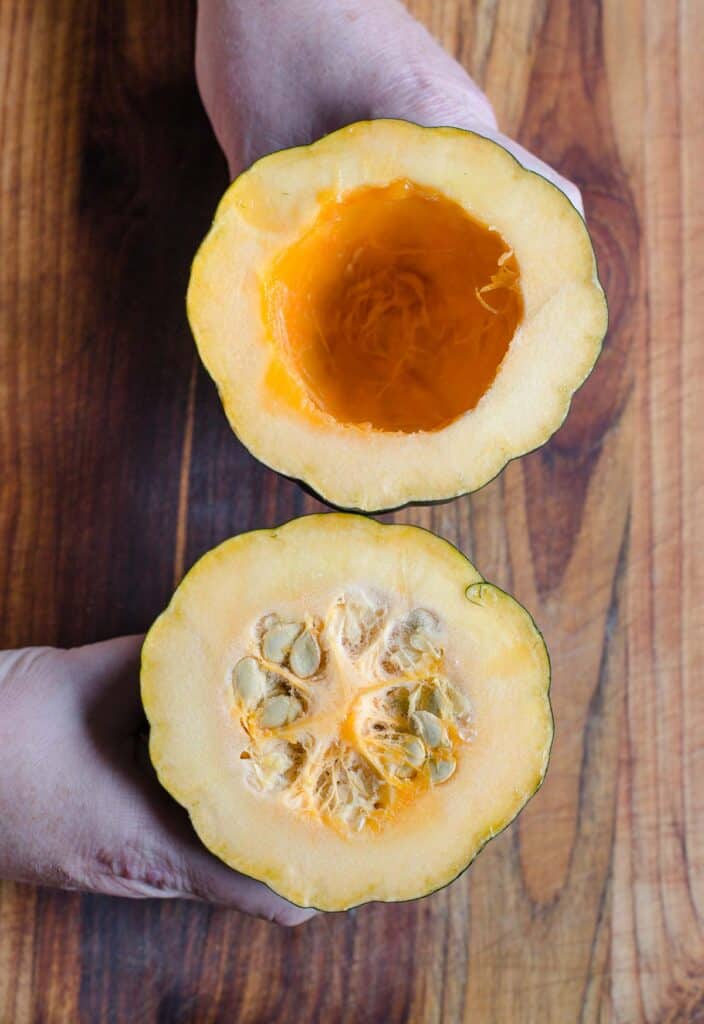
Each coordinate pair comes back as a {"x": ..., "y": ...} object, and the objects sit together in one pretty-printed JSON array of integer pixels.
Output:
[
  {"x": 279, "y": 73},
  {"x": 80, "y": 804}
]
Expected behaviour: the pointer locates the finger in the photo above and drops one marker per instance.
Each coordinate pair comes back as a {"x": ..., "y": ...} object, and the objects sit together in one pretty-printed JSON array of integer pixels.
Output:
[
  {"x": 205, "y": 877},
  {"x": 451, "y": 103},
  {"x": 468, "y": 108},
  {"x": 159, "y": 853},
  {"x": 209, "y": 879},
  {"x": 107, "y": 677},
  {"x": 534, "y": 163}
]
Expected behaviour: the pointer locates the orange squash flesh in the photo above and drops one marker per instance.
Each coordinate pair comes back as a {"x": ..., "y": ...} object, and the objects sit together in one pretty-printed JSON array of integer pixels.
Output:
[{"x": 395, "y": 309}]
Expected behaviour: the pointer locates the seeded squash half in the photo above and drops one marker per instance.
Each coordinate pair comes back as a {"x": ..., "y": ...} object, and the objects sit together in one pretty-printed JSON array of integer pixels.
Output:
[
  {"x": 394, "y": 312},
  {"x": 347, "y": 710}
]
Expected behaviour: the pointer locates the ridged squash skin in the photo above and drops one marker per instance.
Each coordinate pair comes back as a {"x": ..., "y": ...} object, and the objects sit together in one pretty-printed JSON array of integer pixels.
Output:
[
  {"x": 211, "y": 753},
  {"x": 269, "y": 208}
]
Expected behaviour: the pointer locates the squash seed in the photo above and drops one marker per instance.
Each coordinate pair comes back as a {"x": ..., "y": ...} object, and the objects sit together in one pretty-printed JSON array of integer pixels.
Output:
[
  {"x": 420, "y": 619},
  {"x": 276, "y": 642},
  {"x": 250, "y": 681},
  {"x": 441, "y": 770},
  {"x": 415, "y": 751},
  {"x": 437, "y": 701},
  {"x": 416, "y": 699},
  {"x": 419, "y": 642},
  {"x": 304, "y": 658},
  {"x": 429, "y": 728},
  {"x": 461, "y": 703},
  {"x": 279, "y": 710}
]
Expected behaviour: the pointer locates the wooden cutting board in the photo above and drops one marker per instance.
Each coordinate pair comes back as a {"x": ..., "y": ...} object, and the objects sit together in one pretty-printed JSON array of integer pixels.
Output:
[{"x": 117, "y": 470}]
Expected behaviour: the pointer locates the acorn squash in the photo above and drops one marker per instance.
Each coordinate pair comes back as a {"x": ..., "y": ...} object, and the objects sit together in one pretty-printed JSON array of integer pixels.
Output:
[
  {"x": 347, "y": 709},
  {"x": 394, "y": 312}
]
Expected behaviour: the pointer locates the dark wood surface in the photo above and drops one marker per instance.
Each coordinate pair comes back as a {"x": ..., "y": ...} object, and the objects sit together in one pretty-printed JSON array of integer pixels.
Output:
[{"x": 117, "y": 470}]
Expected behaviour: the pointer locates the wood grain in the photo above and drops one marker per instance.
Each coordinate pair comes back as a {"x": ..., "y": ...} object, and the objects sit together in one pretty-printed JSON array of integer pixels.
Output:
[{"x": 117, "y": 470}]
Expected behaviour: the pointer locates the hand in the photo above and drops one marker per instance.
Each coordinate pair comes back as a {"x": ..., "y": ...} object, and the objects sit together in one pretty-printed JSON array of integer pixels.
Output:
[
  {"x": 279, "y": 73},
  {"x": 80, "y": 805}
]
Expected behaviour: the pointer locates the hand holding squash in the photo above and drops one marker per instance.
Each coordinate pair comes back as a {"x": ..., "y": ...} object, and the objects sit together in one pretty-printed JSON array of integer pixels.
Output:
[
  {"x": 280, "y": 73},
  {"x": 80, "y": 806},
  {"x": 394, "y": 311}
]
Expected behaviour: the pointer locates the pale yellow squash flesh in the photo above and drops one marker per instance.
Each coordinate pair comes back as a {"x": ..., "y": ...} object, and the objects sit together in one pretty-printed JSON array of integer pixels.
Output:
[
  {"x": 362, "y": 340},
  {"x": 215, "y": 756}
]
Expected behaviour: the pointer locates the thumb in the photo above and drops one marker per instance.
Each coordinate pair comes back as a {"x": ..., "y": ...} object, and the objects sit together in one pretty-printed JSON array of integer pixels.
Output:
[
  {"x": 535, "y": 164},
  {"x": 208, "y": 878},
  {"x": 181, "y": 866}
]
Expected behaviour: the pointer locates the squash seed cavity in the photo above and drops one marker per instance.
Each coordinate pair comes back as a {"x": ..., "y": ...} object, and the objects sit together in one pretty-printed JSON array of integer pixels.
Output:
[{"x": 384, "y": 676}]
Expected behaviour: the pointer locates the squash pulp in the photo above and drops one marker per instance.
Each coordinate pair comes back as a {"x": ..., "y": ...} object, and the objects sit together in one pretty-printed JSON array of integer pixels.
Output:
[{"x": 395, "y": 309}]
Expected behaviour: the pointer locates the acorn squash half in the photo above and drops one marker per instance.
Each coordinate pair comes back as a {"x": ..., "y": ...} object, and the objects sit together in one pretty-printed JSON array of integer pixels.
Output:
[
  {"x": 347, "y": 710},
  {"x": 394, "y": 312}
]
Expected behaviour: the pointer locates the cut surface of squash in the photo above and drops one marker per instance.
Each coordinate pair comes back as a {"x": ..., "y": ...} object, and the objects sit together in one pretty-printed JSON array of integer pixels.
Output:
[
  {"x": 347, "y": 710},
  {"x": 394, "y": 312}
]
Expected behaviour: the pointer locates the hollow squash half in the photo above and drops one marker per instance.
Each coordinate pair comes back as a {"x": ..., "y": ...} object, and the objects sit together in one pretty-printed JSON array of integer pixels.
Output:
[
  {"x": 394, "y": 312},
  {"x": 347, "y": 710}
]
